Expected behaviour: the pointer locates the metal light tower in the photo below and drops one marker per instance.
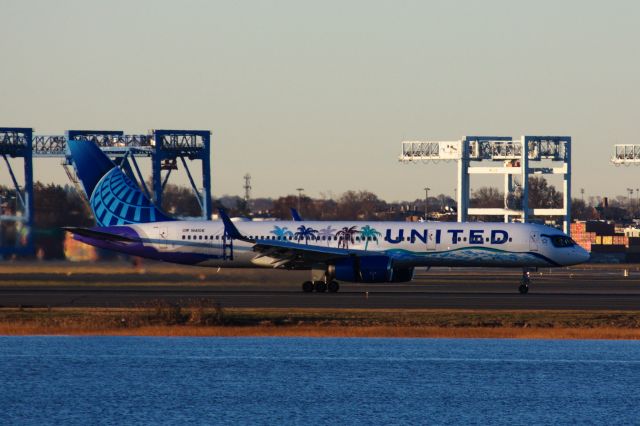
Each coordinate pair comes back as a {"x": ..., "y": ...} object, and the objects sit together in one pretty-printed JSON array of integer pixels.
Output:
[
  {"x": 299, "y": 197},
  {"x": 247, "y": 187},
  {"x": 426, "y": 204}
]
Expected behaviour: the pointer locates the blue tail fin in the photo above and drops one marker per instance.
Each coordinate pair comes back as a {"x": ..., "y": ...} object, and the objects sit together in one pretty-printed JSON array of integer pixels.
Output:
[
  {"x": 295, "y": 215},
  {"x": 114, "y": 198}
]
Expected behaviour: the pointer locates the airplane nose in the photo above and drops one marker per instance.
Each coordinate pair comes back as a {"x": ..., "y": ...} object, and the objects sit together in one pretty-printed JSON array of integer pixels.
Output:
[
  {"x": 583, "y": 255},
  {"x": 577, "y": 255}
]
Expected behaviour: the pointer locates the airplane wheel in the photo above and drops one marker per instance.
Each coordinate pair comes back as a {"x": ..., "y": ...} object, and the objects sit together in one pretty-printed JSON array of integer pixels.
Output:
[
  {"x": 523, "y": 289},
  {"x": 334, "y": 287},
  {"x": 321, "y": 287},
  {"x": 307, "y": 286}
]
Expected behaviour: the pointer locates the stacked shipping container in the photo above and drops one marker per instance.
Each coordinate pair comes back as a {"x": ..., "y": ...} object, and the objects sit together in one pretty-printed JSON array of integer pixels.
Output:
[{"x": 597, "y": 236}]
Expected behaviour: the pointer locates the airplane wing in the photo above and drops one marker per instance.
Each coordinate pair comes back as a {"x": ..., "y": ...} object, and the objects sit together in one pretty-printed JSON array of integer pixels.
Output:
[
  {"x": 277, "y": 253},
  {"x": 291, "y": 255}
]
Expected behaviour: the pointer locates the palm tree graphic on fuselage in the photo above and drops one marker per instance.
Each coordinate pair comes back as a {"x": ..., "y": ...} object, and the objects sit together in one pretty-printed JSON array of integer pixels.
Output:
[
  {"x": 368, "y": 233},
  {"x": 282, "y": 232},
  {"x": 327, "y": 233},
  {"x": 345, "y": 236},
  {"x": 305, "y": 233}
]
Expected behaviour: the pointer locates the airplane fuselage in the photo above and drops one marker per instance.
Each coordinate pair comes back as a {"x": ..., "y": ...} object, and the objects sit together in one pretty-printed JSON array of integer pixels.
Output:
[{"x": 410, "y": 244}]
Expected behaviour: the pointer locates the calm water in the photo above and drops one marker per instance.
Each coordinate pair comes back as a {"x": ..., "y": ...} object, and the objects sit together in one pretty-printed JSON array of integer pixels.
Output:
[{"x": 116, "y": 380}]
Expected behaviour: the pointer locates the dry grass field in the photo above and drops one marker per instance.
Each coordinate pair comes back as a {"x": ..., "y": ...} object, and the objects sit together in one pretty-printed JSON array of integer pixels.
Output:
[{"x": 166, "y": 320}]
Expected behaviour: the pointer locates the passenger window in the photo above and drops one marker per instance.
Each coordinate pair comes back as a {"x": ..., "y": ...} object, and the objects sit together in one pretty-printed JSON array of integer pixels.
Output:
[
  {"x": 183, "y": 237},
  {"x": 188, "y": 237},
  {"x": 464, "y": 239}
]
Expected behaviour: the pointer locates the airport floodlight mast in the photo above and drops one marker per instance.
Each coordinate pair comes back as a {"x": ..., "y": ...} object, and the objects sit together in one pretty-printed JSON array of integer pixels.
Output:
[
  {"x": 247, "y": 188},
  {"x": 426, "y": 204},
  {"x": 299, "y": 197},
  {"x": 501, "y": 155}
]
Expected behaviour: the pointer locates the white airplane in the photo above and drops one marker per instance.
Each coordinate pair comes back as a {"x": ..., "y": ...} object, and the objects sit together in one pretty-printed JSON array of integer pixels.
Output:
[{"x": 346, "y": 251}]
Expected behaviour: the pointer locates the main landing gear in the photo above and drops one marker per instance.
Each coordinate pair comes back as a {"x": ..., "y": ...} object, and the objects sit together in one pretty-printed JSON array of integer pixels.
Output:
[
  {"x": 321, "y": 280},
  {"x": 320, "y": 286},
  {"x": 524, "y": 282}
]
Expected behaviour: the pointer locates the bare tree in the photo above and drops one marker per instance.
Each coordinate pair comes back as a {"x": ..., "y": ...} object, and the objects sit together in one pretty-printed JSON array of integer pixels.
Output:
[{"x": 487, "y": 197}]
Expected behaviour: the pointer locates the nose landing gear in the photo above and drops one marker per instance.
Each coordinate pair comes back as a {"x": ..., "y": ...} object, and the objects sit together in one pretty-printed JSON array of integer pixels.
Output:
[{"x": 524, "y": 282}]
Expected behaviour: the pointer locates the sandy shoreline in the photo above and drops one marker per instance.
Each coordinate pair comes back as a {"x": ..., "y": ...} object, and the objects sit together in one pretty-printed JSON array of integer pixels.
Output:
[
  {"x": 338, "y": 332},
  {"x": 207, "y": 321}
]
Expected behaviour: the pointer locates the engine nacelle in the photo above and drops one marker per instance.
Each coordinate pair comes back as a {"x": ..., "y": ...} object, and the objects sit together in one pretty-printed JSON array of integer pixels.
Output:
[{"x": 369, "y": 269}]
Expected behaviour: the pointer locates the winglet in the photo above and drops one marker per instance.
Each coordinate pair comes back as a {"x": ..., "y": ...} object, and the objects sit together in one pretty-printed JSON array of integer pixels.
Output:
[
  {"x": 296, "y": 216},
  {"x": 229, "y": 228}
]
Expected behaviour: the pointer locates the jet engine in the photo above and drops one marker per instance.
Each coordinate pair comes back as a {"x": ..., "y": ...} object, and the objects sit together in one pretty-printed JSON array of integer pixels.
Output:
[{"x": 369, "y": 269}]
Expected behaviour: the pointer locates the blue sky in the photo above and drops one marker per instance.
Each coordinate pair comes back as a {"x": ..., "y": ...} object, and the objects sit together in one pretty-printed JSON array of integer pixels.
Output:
[{"x": 319, "y": 94}]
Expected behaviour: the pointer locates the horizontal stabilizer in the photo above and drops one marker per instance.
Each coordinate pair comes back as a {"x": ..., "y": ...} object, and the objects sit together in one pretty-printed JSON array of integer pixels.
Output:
[{"x": 100, "y": 235}]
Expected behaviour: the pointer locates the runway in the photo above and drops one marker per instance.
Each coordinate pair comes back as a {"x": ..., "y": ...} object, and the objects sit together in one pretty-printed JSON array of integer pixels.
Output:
[{"x": 566, "y": 289}]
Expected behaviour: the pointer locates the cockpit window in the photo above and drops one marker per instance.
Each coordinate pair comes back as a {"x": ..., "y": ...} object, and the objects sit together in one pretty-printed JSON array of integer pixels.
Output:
[{"x": 561, "y": 241}]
